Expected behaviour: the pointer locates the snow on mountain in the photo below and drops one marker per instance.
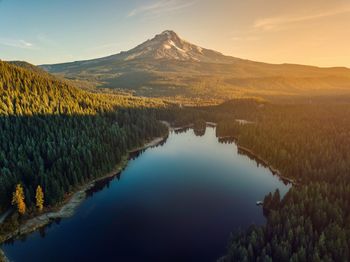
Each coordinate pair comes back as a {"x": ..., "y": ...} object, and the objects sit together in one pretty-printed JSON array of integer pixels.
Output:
[
  {"x": 167, "y": 65},
  {"x": 168, "y": 45}
]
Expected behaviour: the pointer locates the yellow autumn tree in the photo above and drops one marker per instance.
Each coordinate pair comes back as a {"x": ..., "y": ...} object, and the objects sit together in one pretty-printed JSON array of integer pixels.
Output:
[
  {"x": 39, "y": 196},
  {"x": 18, "y": 199}
]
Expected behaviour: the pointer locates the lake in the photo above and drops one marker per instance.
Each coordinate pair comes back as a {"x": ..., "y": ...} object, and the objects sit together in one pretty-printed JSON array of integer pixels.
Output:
[{"x": 175, "y": 202}]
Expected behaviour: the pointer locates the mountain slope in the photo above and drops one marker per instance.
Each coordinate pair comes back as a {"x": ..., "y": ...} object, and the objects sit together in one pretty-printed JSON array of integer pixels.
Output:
[
  {"x": 60, "y": 137},
  {"x": 168, "y": 65},
  {"x": 26, "y": 90}
]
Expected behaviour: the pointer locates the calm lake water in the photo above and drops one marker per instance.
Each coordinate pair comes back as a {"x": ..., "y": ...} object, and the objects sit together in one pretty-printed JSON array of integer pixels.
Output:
[{"x": 175, "y": 202}]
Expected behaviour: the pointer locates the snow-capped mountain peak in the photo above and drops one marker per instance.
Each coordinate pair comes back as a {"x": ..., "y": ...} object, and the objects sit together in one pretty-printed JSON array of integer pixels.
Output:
[{"x": 168, "y": 45}]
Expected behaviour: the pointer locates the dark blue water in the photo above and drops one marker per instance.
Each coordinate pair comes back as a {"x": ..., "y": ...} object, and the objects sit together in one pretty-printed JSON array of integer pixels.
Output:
[{"x": 175, "y": 202}]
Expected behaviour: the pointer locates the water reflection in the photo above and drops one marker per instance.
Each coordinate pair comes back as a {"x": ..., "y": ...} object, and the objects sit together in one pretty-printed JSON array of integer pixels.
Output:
[
  {"x": 178, "y": 201},
  {"x": 102, "y": 184},
  {"x": 226, "y": 140},
  {"x": 199, "y": 132},
  {"x": 181, "y": 130}
]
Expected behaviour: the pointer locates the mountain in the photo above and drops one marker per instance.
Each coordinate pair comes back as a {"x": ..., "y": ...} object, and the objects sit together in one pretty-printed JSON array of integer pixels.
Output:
[
  {"x": 167, "y": 65},
  {"x": 168, "y": 45}
]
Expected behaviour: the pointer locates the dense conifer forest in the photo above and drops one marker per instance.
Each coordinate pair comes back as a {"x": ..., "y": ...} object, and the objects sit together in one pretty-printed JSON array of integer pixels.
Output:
[
  {"x": 58, "y": 137},
  {"x": 308, "y": 143}
]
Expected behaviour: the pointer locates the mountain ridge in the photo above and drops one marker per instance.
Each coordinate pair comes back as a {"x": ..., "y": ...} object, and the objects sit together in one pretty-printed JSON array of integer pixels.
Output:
[
  {"x": 174, "y": 34},
  {"x": 167, "y": 65},
  {"x": 166, "y": 45}
]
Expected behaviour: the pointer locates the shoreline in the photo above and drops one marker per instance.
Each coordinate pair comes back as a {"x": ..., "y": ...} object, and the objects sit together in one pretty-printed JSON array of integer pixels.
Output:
[
  {"x": 5, "y": 215},
  {"x": 156, "y": 141},
  {"x": 266, "y": 164},
  {"x": 3, "y": 257},
  {"x": 67, "y": 208},
  {"x": 250, "y": 153},
  {"x": 246, "y": 150}
]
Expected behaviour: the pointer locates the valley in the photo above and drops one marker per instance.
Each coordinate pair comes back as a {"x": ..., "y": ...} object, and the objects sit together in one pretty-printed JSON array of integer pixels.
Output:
[{"x": 173, "y": 152}]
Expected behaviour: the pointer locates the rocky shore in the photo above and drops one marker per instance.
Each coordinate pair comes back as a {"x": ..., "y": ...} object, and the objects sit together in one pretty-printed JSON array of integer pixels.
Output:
[{"x": 3, "y": 258}]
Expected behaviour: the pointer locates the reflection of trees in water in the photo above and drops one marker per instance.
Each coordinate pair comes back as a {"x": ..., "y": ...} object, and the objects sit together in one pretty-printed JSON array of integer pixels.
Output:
[
  {"x": 260, "y": 162},
  {"x": 136, "y": 154},
  {"x": 199, "y": 127},
  {"x": 42, "y": 232},
  {"x": 104, "y": 183},
  {"x": 199, "y": 132},
  {"x": 251, "y": 156},
  {"x": 226, "y": 140},
  {"x": 181, "y": 130}
]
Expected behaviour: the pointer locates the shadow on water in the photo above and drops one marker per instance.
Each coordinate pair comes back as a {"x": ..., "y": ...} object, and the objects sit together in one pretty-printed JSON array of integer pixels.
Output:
[
  {"x": 252, "y": 156},
  {"x": 185, "y": 215},
  {"x": 98, "y": 186},
  {"x": 42, "y": 233},
  {"x": 104, "y": 183},
  {"x": 261, "y": 162},
  {"x": 137, "y": 153}
]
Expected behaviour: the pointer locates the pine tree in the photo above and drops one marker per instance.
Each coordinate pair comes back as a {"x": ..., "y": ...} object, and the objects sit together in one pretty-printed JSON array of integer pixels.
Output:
[
  {"x": 18, "y": 199},
  {"x": 39, "y": 196}
]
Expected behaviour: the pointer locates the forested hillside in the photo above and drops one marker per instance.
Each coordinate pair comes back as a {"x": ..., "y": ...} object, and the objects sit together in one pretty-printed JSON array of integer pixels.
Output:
[
  {"x": 58, "y": 137},
  {"x": 309, "y": 143},
  {"x": 29, "y": 91}
]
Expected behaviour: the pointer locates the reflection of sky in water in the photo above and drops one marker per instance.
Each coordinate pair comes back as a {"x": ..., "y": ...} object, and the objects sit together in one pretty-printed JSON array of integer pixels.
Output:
[{"x": 176, "y": 202}]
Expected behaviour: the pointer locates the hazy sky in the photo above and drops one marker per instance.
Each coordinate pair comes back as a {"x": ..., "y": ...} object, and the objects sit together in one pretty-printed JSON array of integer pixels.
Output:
[{"x": 313, "y": 32}]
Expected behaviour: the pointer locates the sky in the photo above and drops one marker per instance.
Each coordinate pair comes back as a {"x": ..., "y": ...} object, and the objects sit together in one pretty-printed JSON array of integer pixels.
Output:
[{"x": 312, "y": 32}]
